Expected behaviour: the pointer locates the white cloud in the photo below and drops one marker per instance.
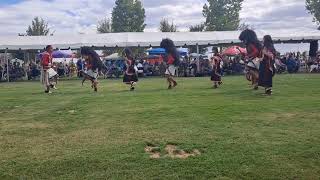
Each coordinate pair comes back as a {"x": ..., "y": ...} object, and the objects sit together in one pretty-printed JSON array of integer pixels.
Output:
[{"x": 74, "y": 16}]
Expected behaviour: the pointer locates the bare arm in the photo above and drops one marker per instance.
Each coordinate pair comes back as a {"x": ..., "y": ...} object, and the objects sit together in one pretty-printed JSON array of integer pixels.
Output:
[{"x": 268, "y": 53}]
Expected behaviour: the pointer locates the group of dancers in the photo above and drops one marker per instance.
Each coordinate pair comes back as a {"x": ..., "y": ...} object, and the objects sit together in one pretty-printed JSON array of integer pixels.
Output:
[{"x": 259, "y": 69}]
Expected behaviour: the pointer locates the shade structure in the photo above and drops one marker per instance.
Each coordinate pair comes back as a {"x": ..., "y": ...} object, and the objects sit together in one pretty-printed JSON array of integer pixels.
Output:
[
  {"x": 161, "y": 51},
  {"x": 234, "y": 50},
  {"x": 153, "y": 59},
  {"x": 183, "y": 51},
  {"x": 148, "y": 39},
  {"x": 114, "y": 56},
  {"x": 59, "y": 54},
  {"x": 157, "y": 51}
]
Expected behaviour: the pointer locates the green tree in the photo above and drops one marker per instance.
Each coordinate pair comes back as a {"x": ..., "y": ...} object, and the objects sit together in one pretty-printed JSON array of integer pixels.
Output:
[
  {"x": 39, "y": 27},
  {"x": 165, "y": 26},
  {"x": 104, "y": 26},
  {"x": 313, "y": 6},
  {"x": 222, "y": 15},
  {"x": 197, "y": 28},
  {"x": 245, "y": 26},
  {"x": 128, "y": 16}
]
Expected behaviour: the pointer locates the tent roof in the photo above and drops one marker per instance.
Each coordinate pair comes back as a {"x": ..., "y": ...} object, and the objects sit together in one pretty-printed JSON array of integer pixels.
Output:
[
  {"x": 114, "y": 56},
  {"x": 146, "y": 39}
]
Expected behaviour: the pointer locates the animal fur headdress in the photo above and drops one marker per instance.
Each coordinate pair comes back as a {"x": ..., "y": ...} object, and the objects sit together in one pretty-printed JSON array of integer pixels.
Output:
[
  {"x": 170, "y": 48},
  {"x": 248, "y": 36},
  {"x": 96, "y": 61}
]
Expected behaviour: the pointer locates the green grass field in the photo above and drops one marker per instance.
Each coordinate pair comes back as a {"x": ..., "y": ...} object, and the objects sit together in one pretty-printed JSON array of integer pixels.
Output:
[{"x": 241, "y": 134}]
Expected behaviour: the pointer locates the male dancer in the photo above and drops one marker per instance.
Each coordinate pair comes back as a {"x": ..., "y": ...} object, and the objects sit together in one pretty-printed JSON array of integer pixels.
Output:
[{"x": 46, "y": 63}]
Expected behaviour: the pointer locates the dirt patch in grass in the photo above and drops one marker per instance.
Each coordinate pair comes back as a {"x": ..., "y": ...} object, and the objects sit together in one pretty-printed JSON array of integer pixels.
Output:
[
  {"x": 171, "y": 151},
  {"x": 174, "y": 152},
  {"x": 154, "y": 151}
]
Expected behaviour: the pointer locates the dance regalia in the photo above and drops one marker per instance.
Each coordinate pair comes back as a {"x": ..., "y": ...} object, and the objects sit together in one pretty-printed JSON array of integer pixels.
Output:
[
  {"x": 216, "y": 69},
  {"x": 254, "y": 54},
  {"x": 171, "y": 68},
  {"x": 90, "y": 72},
  {"x": 130, "y": 75},
  {"x": 267, "y": 69},
  {"x": 252, "y": 67},
  {"x": 47, "y": 72}
]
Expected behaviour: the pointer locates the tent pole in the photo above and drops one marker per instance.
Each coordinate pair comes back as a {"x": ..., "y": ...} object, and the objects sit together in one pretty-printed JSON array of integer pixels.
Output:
[
  {"x": 7, "y": 60},
  {"x": 198, "y": 60},
  {"x": 28, "y": 59}
]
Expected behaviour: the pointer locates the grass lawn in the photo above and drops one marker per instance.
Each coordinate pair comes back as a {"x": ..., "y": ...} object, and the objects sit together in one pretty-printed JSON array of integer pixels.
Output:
[{"x": 78, "y": 134}]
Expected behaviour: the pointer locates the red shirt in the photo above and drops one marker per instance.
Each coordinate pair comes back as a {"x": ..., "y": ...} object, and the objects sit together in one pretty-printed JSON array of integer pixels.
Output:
[
  {"x": 216, "y": 62},
  {"x": 88, "y": 64},
  {"x": 170, "y": 59},
  {"x": 129, "y": 62},
  {"x": 46, "y": 60},
  {"x": 253, "y": 51}
]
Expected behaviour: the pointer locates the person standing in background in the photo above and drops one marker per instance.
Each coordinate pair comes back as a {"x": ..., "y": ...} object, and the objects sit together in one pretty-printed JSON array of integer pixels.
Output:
[{"x": 46, "y": 63}]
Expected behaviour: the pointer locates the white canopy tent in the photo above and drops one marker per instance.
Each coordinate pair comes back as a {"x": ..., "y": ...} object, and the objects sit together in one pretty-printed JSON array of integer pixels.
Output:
[
  {"x": 146, "y": 39},
  {"x": 114, "y": 56}
]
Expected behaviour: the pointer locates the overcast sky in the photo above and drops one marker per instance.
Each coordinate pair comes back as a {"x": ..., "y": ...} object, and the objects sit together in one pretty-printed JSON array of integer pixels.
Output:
[{"x": 74, "y": 16}]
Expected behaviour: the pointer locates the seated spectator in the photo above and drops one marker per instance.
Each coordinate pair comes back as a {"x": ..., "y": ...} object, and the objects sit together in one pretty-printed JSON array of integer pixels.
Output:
[
  {"x": 61, "y": 69},
  {"x": 1, "y": 72},
  {"x": 79, "y": 67},
  {"x": 291, "y": 64},
  {"x": 72, "y": 69},
  {"x": 156, "y": 69},
  {"x": 34, "y": 71},
  {"x": 162, "y": 69},
  {"x": 140, "y": 69},
  {"x": 298, "y": 63}
]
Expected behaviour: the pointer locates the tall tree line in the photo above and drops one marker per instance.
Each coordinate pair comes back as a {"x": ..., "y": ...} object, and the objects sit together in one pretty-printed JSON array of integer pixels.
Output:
[
  {"x": 129, "y": 16},
  {"x": 313, "y": 6}
]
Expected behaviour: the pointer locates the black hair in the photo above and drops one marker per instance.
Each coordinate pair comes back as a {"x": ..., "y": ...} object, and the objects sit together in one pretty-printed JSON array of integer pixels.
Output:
[
  {"x": 96, "y": 61},
  {"x": 215, "y": 51},
  {"x": 129, "y": 54},
  {"x": 48, "y": 47},
  {"x": 268, "y": 43}
]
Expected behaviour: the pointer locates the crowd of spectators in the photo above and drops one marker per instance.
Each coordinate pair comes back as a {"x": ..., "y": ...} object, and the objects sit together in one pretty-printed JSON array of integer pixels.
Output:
[
  {"x": 16, "y": 71},
  {"x": 188, "y": 67}
]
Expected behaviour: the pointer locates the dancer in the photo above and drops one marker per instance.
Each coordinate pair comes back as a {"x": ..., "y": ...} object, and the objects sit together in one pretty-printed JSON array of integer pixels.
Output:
[
  {"x": 254, "y": 50},
  {"x": 267, "y": 69},
  {"x": 93, "y": 66},
  {"x": 216, "y": 69},
  {"x": 48, "y": 75},
  {"x": 130, "y": 75},
  {"x": 172, "y": 59}
]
